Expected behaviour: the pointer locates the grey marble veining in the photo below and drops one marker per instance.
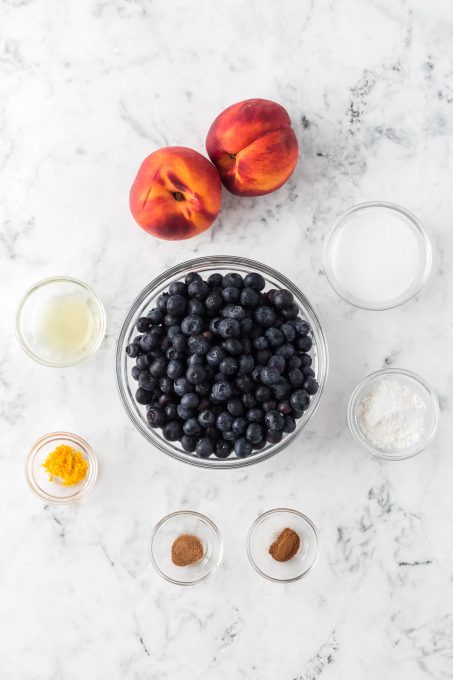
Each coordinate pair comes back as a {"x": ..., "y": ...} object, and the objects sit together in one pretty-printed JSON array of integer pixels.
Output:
[{"x": 87, "y": 90}]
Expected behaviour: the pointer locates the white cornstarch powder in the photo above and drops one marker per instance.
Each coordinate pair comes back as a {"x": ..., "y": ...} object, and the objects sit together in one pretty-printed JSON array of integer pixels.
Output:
[{"x": 392, "y": 415}]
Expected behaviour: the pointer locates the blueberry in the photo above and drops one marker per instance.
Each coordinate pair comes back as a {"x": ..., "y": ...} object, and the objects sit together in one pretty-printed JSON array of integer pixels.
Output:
[
  {"x": 175, "y": 369},
  {"x": 248, "y": 400},
  {"x": 198, "y": 290},
  {"x": 263, "y": 356},
  {"x": 206, "y": 418},
  {"x": 215, "y": 355},
  {"x": 256, "y": 373},
  {"x": 213, "y": 302},
  {"x": 230, "y": 436},
  {"x": 283, "y": 299},
  {"x": 229, "y": 328},
  {"x": 254, "y": 433},
  {"x": 155, "y": 417},
  {"x": 282, "y": 390},
  {"x": 290, "y": 312},
  {"x": 264, "y": 316},
  {"x": 166, "y": 385},
  {"x": 143, "y": 362},
  {"x": 192, "y": 426},
  {"x": 303, "y": 343},
  {"x": 271, "y": 294},
  {"x": 156, "y": 316},
  {"x": 135, "y": 372},
  {"x": 215, "y": 280},
  {"x": 274, "y": 337},
  {"x": 171, "y": 320},
  {"x": 239, "y": 425},
  {"x": 171, "y": 412},
  {"x": 133, "y": 350},
  {"x": 274, "y": 420},
  {"x": 300, "y": 326},
  {"x": 274, "y": 436},
  {"x": 188, "y": 443},
  {"x": 205, "y": 447},
  {"x": 285, "y": 407},
  {"x": 246, "y": 363},
  {"x": 159, "y": 367},
  {"x": 232, "y": 279},
  {"x": 244, "y": 383},
  {"x": 213, "y": 433},
  {"x": 172, "y": 431},
  {"x": 228, "y": 366},
  {"x": 286, "y": 351},
  {"x": 182, "y": 386},
  {"x": 247, "y": 327},
  {"x": 179, "y": 342},
  {"x": 249, "y": 298},
  {"x": 224, "y": 421},
  {"x": 259, "y": 445},
  {"x": 198, "y": 344},
  {"x": 309, "y": 372},
  {"x": 192, "y": 276},
  {"x": 255, "y": 415},
  {"x": 260, "y": 342},
  {"x": 165, "y": 399},
  {"x": 143, "y": 324},
  {"x": 176, "y": 305},
  {"x": 221, "y": 391},
  {"x": 269, "y": 405},
  {"x": 222, "y": 449},
  {"x": 196, "y": 374},
  {"x": 184, "y": 412},
  {"x": 235, "y": 407},
  {"x": 311, "y": 385},
  {"x": 296, "y": 377},
  {"x": 193, "y": 359},
  {"x": 147, "y": 381},
  {"x": 300, "y": 400},
  {"x": 242, "y": 448},
  {"x": 290, "y": 424},
  {"x": 288, "y": 331},
  {"x": 263, "y": 393},
  {"x": 203, "y": 389},
  {"x": 294, "y": 362},
  {"x": 231, "y": 294},
  {"x": 143, "y": 396},
  {"x": 255, "y": 281},
  {"x": 270, "y": 375},
  {"x": 233, "y": 312},
  {"x": 161, "y": 302},
  {"x": 278, "y": 362},
  {"x": 306, "y": 360},
  {"x": 192, "y": 324},
  {"x": 214, "y": 325},
  {"x": 233, "y": 346},
  {"x": 190, "y": 400},
  {"x": 196, "y": 307}
]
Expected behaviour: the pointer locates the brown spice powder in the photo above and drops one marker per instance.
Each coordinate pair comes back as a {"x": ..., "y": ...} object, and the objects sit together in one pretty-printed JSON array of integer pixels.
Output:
[
  {"x": 186, "y": 550},
  {"x": 285, "y": 545}
]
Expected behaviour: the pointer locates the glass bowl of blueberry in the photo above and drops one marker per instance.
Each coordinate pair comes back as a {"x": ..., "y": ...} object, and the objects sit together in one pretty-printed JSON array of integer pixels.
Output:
[{"x": 221, "y": 362}]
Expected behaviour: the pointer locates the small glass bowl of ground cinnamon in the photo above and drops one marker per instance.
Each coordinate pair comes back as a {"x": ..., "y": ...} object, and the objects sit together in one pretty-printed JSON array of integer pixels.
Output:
[
  {"x": 186, "y": 547},
  {"x": 282, "y": 545}
]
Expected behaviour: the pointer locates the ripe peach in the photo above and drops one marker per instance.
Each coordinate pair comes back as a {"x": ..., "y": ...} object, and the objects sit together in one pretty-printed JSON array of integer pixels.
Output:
[
  {"x": 176, "y": 194},
  {"x": 253, "y": 146}
]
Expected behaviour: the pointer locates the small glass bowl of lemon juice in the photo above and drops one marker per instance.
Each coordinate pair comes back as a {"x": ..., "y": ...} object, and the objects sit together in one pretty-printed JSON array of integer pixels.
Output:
[{"x": 60, "y": 321}]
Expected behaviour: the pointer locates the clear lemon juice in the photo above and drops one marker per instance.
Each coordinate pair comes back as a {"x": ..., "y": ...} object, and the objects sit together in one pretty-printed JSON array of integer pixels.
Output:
[{"x": 65, "y": 325}]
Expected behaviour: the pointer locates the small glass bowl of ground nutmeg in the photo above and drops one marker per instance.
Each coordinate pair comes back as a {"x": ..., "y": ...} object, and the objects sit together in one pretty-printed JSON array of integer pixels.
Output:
[
  {"x": 61, "y": 468},
  {"x": 186, "y": 547},
  {"x": 282, "y": 545}
]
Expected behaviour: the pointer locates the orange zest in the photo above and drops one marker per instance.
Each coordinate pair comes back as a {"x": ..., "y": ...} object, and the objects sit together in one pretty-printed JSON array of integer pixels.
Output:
[{"x": 66, "y": 465}]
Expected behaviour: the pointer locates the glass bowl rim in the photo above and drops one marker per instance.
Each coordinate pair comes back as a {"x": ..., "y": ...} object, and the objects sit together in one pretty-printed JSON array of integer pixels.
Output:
[
  {"x": 89, "y": 481},
  {"x": 224, "y": 261},
  {"x": 354, "y": 401},
  {"x": 42, "y": 283},
  {"x": 411, "y": 292},
  {"x": 202, "y": 518},
  {"x": 261, "y": 518}
]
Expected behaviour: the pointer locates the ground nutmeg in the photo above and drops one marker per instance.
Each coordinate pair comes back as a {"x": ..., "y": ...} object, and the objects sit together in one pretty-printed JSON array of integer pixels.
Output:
[
  {"x": 186, "y": 550},
  {"x": 285, "y": 545}
]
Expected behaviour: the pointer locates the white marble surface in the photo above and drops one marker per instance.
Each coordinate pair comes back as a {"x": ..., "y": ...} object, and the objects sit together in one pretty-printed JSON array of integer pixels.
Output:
[{"x": 87, "y": 89}]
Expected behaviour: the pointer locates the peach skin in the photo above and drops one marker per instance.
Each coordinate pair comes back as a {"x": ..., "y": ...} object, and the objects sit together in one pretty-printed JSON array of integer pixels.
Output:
[
  {"x": 176, "y": 194},
  {"x": 253, "y": 146}
]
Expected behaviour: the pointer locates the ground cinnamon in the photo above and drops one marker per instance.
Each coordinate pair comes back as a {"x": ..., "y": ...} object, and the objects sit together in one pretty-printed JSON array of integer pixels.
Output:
[
  {"x": 285, "y": 545},
  {"x": 186, "y": 550}
]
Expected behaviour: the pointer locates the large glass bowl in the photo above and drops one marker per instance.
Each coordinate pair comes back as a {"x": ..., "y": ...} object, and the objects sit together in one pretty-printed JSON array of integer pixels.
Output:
[{"x": 146, "y": 300}]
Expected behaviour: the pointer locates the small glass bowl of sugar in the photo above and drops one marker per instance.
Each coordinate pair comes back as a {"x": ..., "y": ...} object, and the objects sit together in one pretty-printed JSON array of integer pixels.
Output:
[
  {"x": 377, "y": 256},
  {"x": 393, "y": 414}
]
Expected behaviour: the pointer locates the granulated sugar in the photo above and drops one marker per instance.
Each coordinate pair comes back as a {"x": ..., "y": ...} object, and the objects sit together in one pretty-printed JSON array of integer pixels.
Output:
[{"x": 392, "y": 415}]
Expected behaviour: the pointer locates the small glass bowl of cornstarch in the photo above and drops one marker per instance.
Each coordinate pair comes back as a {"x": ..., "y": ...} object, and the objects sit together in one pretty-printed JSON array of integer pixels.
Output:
[{"x": 393, "y": 414}]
